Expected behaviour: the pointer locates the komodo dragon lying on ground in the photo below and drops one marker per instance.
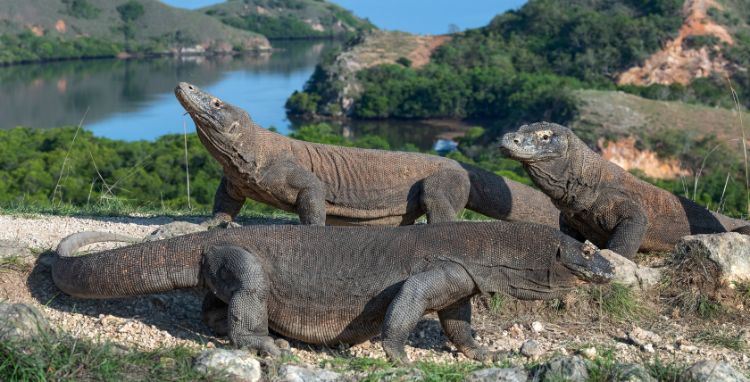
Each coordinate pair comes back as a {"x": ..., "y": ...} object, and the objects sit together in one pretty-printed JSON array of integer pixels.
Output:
[
  {"x": 347, "y": 185},
  {"x": 330, "y": 285},
  {"x": 602, "y": 202}
]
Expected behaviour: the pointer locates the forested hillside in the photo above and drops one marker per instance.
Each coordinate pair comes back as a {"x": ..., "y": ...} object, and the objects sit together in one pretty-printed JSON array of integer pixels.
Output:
[
  {"x": 523, "y": 65},
  {"x": 289, "y": 19},
  {"x": 37, "y": 30}
]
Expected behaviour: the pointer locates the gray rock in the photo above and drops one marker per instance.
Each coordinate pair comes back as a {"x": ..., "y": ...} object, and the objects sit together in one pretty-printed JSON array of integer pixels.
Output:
[
  {"x": 642, "y": 338},
  {"x": 174, "y": 229},
  {"x": 731, "y": 251},
  {"x": 631, "y": 372},
  {"x": 563, "y": 368},
  {"x": 400, "y": 375},
  {"x": 21, "y": 322},
  {"x": 511, "y": 374},
  {"x": 531, "y": 349},
  {"x": 13, "y": 250},
  {"x": 306, "y": 373},
  {"x": 713, "y": 371},
  {"x": 629, "y": 273},
  {"x": 238, "y": 365}
]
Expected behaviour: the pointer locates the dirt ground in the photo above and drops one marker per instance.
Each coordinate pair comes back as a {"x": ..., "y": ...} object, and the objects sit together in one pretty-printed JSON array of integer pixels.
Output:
[{"x": 573, "y": 325}]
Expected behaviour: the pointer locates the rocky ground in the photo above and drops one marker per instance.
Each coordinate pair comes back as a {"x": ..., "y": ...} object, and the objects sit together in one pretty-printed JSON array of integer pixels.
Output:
[{"x": 583, "y": 325}]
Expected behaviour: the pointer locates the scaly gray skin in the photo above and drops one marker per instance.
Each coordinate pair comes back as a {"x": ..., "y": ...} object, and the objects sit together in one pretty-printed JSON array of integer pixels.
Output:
[
  {"x": 343, "y": 185},
  {"x": 602, "y": 202},
  {"x": 331, "y": 285}
]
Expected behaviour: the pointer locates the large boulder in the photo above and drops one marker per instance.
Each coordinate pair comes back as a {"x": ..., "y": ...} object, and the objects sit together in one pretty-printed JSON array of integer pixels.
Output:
[
  {"x": 238, "y": 365},
  {"x": 306, "y": 373},
  {"x": 562, "y": 368},
  {"x": 495, "y": 374},
  {"x": 713, "y": 371},
  {"x": 11, "y": 250},
  {"x": 730, "y": 251},
  {"x": 629, "y": 273},
  {"x": 21, "y": 322}
]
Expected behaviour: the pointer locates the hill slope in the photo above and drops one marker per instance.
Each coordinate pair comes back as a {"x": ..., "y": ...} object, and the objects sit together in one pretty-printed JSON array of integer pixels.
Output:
[
  {"x": 516, "y": 68},
  {"x": 42, "y": 29},
  {"x": 289, "y": 19}
]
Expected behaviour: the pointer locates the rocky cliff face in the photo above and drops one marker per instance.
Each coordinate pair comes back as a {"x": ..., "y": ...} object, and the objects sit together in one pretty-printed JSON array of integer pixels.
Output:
[
  {"x": 372, "y": 49},
  {"x": 680, "y": 63},
  {"x": 625, "y": 154}
]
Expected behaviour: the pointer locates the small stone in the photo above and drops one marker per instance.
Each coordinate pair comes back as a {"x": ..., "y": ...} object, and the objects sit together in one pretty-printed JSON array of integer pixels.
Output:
[
  {"x": 649, "y": 348},
  {"x": 641, "y": 337},
  {"x": 512, "y": 374},
  {"x": 537, "y": 327},
  {"x": 238, "y": 365},
  {"x": 713, "y": 371},
  {"x": 210, "y": 345},
  {"x": 531, "y": 349},
  {"x": 21, "y": 322},
  {"x": 516, "y": 331},
  {"x": 562, "y": 369},
  {"x": 306, "y": 373},
  {"x": 589, "y": 353},
  {"x": 689, "y": 348}
]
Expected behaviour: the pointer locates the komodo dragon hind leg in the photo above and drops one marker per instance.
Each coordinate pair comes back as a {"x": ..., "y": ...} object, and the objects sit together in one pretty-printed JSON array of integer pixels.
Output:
[
  {"x": 456, "y": 323},
  {"x": 444, "y": 195},
  {"x": 431, "y": 290},
  {"x": 236, "y": 277}
]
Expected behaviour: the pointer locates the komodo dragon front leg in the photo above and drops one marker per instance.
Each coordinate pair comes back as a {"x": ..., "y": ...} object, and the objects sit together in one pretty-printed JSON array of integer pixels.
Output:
[
  {"x": 226, "y": 205},
  {"x": 236, "y": 277},
  {"x": 299, "y": 187},
  {"x": 625, "y": 221},
  {"x": 445, "y": 289}
]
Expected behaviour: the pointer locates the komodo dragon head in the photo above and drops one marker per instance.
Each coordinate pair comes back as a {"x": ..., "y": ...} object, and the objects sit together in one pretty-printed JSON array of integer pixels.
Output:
[
  {"x": 220, "y": 125},
  {"x": 537, "y": 142}
]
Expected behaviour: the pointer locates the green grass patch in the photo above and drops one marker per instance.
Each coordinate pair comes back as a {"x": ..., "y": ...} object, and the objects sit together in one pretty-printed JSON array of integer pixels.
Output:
[
  {"x": 51, "y": 358},
  {"x": 729, "y": 341},
  {"x": 617, "y": 301},
  {"x": 497, "y": 301},
  {"x": 447, "y": 371}
]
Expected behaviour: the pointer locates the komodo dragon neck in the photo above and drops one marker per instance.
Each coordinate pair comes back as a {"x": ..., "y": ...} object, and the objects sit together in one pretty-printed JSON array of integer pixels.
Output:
[
  {"x": 573, "y": 181},
  {"x": 239, "y": 156}
]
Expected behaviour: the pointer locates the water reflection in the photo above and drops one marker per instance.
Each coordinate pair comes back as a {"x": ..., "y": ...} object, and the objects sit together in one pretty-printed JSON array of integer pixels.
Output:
[{"x": 133, "y": 99}]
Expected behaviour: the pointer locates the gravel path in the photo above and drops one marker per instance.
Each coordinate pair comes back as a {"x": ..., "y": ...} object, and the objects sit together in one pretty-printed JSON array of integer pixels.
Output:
[{"x": 170, "y": 319}]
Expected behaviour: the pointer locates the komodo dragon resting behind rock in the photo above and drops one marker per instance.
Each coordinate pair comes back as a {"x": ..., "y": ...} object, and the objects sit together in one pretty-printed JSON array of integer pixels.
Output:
[
  {"x": 602, "y": 202},
  {"x": 344, "y": 185},
  {"x": 330, "y": 285}
]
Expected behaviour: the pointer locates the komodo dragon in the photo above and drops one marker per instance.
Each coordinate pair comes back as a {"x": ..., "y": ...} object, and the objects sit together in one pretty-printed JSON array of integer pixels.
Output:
[
  {"x": 331, "y": 285},
  {"x": 348, "y": 186},
  {"x": 602, "y": 202}
]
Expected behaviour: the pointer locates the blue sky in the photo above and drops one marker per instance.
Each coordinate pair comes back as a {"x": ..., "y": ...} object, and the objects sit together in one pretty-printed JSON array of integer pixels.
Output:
[{"x": 416, "y": 16}]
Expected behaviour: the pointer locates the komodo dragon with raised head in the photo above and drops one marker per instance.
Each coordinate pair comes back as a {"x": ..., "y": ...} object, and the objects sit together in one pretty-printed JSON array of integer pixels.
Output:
[
  {"x": 331, "y": 285},
  {"x": 602, "y": 202},
  {"x": 344, "y": 185}
]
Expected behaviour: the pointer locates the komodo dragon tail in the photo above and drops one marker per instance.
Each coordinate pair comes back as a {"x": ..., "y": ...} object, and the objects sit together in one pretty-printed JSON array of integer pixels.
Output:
[
  {"x": 501, "y": 198},
  {"x": 142, "y": 268}
]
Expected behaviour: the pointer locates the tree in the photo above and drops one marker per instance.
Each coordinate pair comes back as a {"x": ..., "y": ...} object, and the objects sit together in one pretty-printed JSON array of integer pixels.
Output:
[{"x": 129, "y": 12}]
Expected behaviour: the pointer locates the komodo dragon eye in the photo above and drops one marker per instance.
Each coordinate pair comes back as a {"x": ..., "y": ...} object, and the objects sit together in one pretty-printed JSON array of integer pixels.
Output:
[
  {"x": 217, "y": 103},
  {"x": 545, "y": 137}
]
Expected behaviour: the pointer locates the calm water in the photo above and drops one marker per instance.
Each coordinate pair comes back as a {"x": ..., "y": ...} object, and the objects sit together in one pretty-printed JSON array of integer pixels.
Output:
[{"x": 133, "y": 100}]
